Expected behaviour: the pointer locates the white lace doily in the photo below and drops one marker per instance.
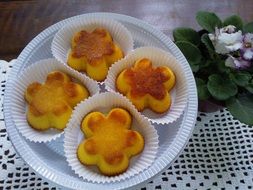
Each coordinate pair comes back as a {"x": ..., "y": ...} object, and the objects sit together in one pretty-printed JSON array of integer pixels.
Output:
[{"x": 218, "y": 156}]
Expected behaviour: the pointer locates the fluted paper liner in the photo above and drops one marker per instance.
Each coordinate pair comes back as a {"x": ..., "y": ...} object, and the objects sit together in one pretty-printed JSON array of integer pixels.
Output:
[
  {"x": 104, "y": 102},
  {"x": 38, "y": 72},
  {"x": 158, "y": 57},
  {"x": 61, "y": 44}
]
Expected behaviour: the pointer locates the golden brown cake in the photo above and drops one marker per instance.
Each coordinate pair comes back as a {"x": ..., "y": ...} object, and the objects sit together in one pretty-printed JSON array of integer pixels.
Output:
[
  {"x": 50, "y": 104},
  {"x": 110, "y": 142},
  {"x": 147, "y": 86},
  {"x": 93, "y": 52}
]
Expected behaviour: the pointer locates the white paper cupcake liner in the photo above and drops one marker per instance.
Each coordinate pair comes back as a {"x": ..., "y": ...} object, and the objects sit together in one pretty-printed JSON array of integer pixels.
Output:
[
  {"x": 104, "y": 102},
  {"x": 56, "y": 145},
  {"x": 61, "y": 44},
  {"x": 38, "y": 72},
  {"x": 158, "y": 57}
]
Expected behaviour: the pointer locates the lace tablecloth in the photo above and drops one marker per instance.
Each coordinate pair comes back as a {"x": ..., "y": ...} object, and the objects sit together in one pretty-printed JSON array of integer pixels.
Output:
[{"x": 219, "y": 155}]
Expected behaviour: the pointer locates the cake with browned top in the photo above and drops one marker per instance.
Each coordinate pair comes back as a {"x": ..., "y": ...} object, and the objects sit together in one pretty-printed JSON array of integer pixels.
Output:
[
  {"x": 94, "y": 52},
  {"x": 109, "y": 141},
  {"x": 147, "y": 86},
  {"x": 50, "y": 104}
]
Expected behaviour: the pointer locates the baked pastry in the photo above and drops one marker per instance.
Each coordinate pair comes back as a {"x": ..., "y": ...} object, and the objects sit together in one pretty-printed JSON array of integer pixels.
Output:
[
  {"x": 147, "y": 86},
  {"x": 93, "y": 52},
  {"x": 50, "y": 104},
  {"x": 109, "y": 142}
]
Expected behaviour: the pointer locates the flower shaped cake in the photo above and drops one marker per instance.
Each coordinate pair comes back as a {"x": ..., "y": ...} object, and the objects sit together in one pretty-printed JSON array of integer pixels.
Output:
[
  {"x": 146, "y": 86},
  {"x": 109, "y": 141},
  {"x": 51, "y": 103},
  {"x": 93, "y": 53}
]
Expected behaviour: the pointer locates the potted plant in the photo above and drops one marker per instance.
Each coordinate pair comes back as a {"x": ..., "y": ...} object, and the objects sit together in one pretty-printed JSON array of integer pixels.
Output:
[{"x": 221, "y": 58}]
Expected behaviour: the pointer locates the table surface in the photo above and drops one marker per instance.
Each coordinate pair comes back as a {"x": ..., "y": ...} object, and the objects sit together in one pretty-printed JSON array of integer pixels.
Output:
[
  {"x": 22, "y": 20},
  {"x": 219, "y": 155}
]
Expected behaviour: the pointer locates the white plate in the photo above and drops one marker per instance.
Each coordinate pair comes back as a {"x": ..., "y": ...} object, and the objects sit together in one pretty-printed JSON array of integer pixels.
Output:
[{"x": 51, "y": 164}]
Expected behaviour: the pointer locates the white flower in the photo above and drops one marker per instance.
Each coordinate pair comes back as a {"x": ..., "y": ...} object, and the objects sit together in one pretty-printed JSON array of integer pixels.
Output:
[
  {"x": 226, "y": 39},
  {"x": 237, "y": 63}
]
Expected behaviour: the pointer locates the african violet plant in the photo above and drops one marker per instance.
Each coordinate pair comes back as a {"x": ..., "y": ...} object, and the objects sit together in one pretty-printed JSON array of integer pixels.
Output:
[{"x": 221, "y": 58}]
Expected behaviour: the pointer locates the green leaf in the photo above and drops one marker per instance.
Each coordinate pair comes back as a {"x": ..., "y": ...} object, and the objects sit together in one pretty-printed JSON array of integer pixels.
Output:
[
  {"x": 192, "y": 54},
  {"x": 208, "y": 20},
  {"x": 186, "y": 34},
  {"x": 207, "y": 42},
  {"x": 205, "y": 63},
  {"x": 241, "y": 78},
  {"x": 234, "y": 20},
  {"x": 248, "y": 28},
  {"x": 203, "y": 93},
  {"x": 194, "y": 67},
  {"x": 221, "y": 88},
  {"x": 249, "y": 87},
  {"x": 242, "y": 108},
  {"x": 222, "y": 68}
]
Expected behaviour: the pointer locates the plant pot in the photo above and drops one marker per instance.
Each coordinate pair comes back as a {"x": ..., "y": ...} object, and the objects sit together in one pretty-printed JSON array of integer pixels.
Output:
[{"x": 209, "y": 106}]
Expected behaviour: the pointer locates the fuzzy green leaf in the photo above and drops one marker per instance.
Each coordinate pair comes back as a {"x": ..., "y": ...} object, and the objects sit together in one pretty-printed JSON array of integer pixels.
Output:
[
  {"x": 221, "y": 88},
  {"x": 222, "y": 68},
  {"x": 249, "y": 87},
  {"x": 203, "y": 93},
  {"x": 208, "y": 20},
  {"x": 194, "y": 67},
  {"x": 248, "y": 28},
  {"x": 242, "y": 108},
  {"x": 241, "y": 78},
  {"x": 207, "y": 42},
  {"x": 234, "y": 20},
  {"x": 205, "y": 63},
  {"x": 186, "y": 34},
  {"x": 192, "y": 54}
]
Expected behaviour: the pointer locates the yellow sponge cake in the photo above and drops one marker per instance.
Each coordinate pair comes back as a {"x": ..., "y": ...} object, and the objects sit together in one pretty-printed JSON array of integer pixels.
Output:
[
  {"x": 93, "y": 52},
  {"x": 50, "y": 104},
  {"x": 147, "y": 86},
  {"x": 110, "y": 142}
]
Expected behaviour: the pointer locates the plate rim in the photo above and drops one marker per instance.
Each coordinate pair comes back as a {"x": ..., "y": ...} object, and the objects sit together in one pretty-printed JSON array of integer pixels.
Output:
[{"x": 53, "y": 175}]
